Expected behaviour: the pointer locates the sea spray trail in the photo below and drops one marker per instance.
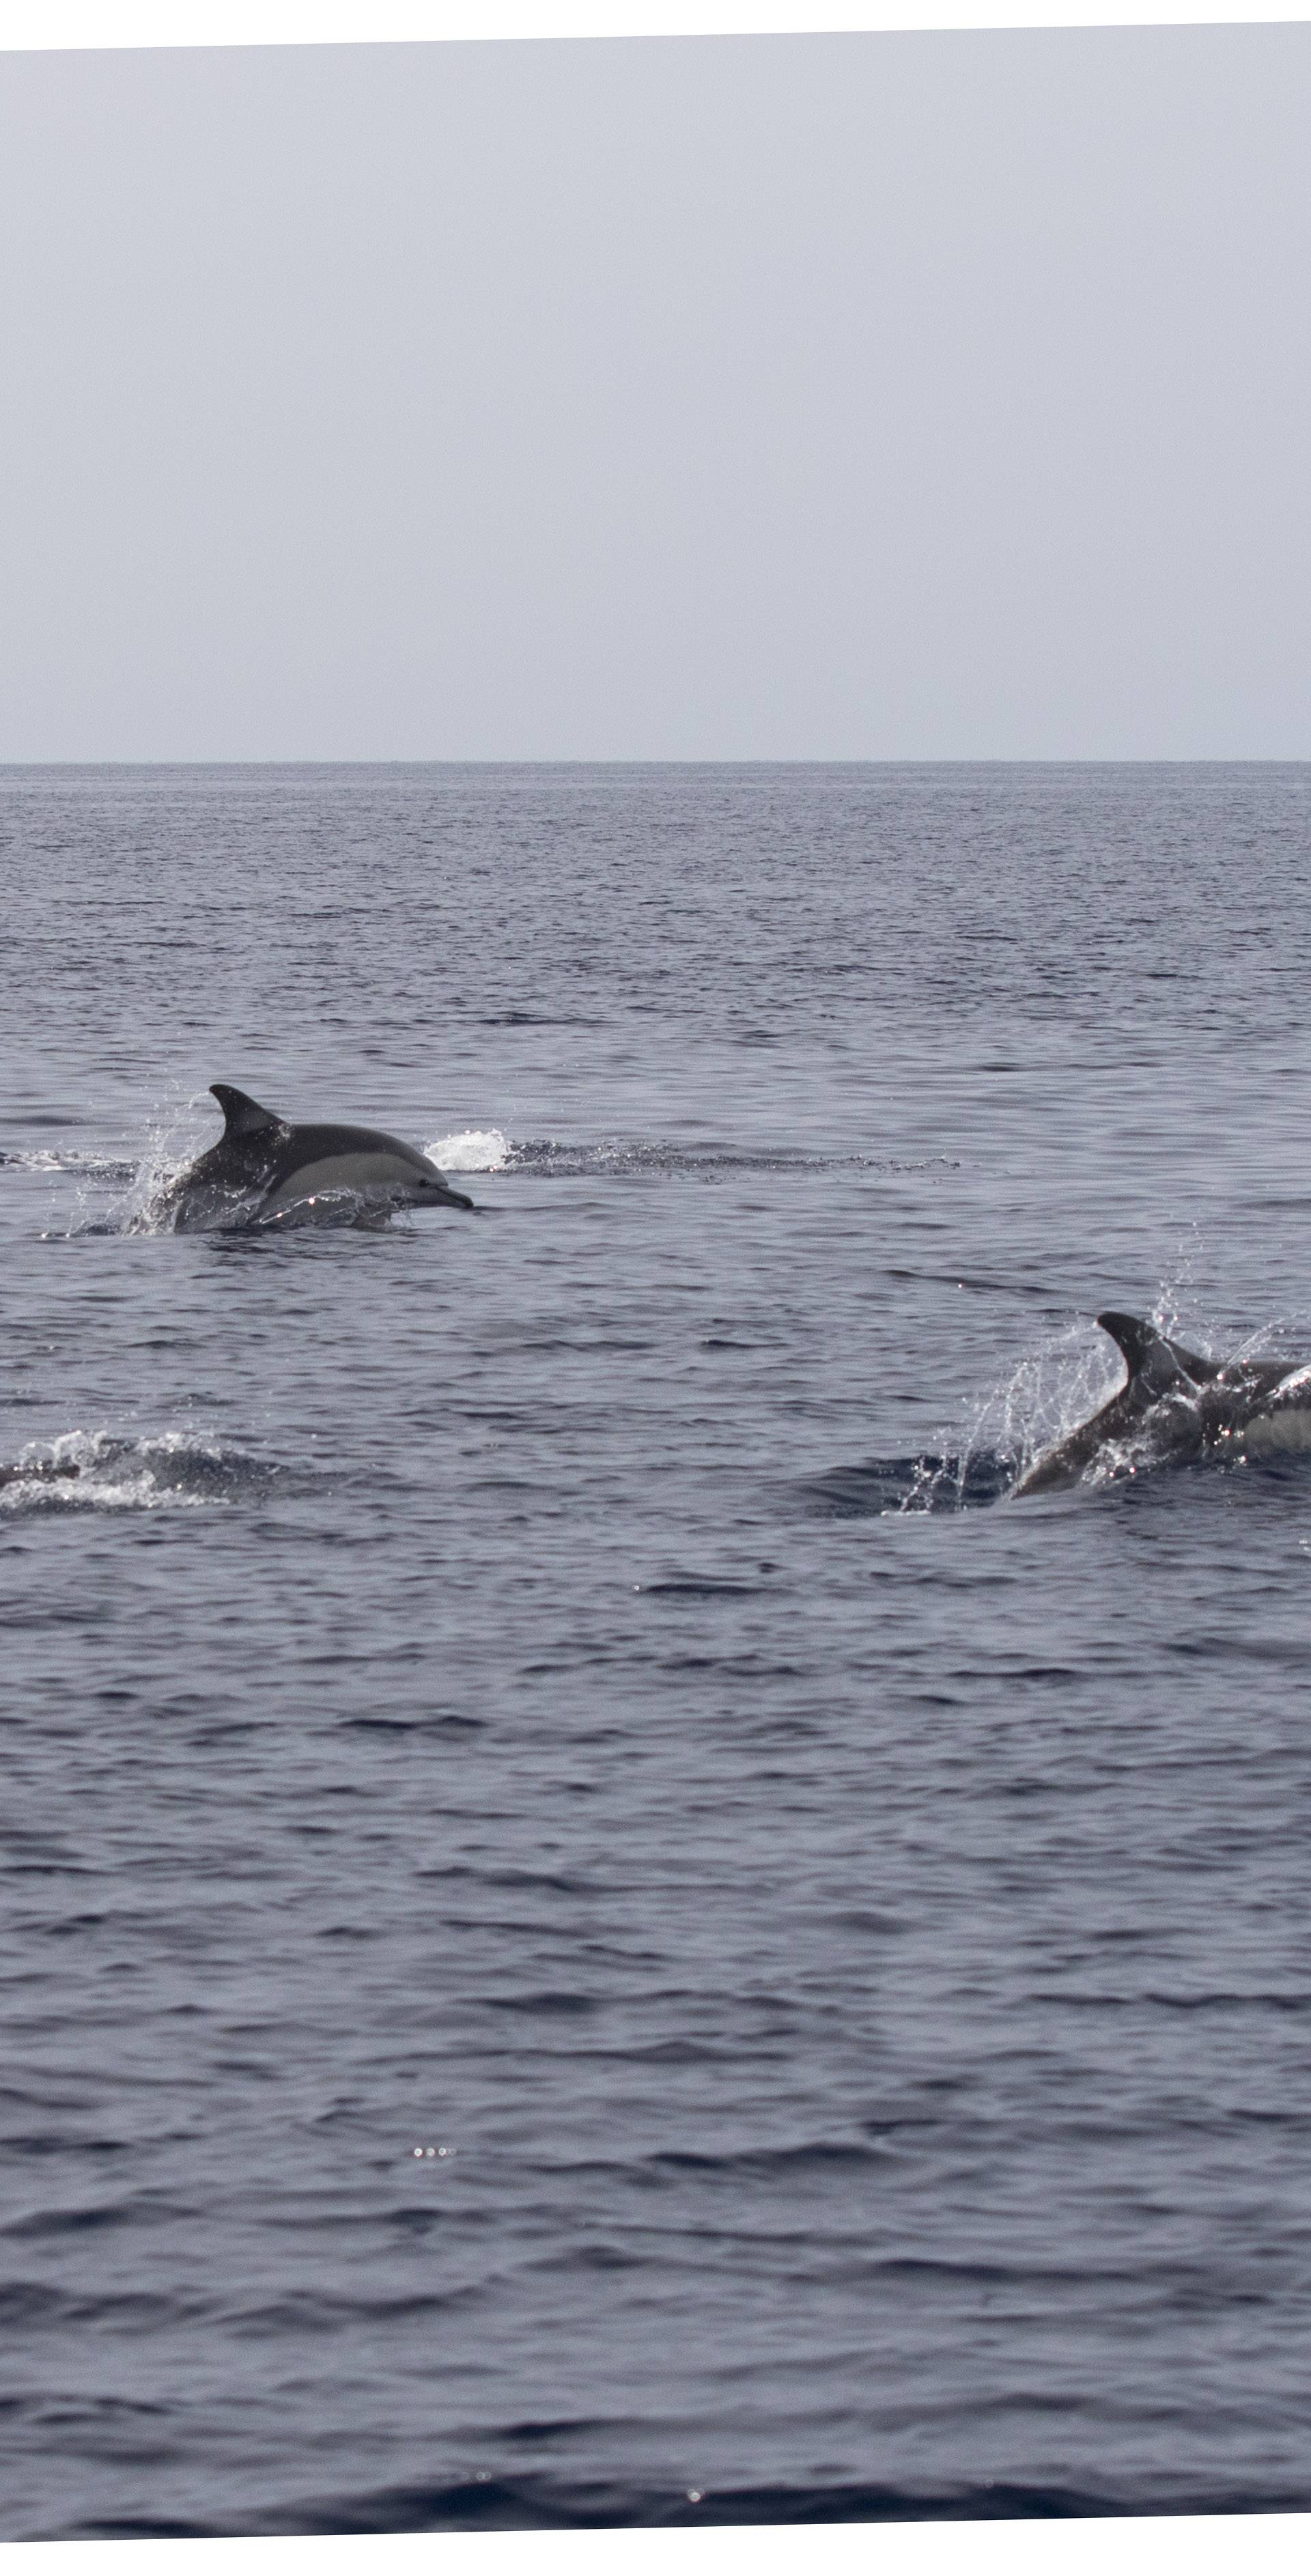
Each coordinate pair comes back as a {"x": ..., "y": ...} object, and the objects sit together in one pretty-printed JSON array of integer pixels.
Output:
[
  {"x": 546, "y": 1157},
  {"x": 854, "y": 1959}
]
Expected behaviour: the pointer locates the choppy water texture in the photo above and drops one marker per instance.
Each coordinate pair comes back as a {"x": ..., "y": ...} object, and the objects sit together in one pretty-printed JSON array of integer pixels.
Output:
[{"x": 570, "y": 1952}]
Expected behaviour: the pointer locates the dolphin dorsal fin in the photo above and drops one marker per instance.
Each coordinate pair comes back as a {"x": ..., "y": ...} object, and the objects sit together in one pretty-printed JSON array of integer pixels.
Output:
[
  {"x": 1147, "y": 1354},
  {"x": 1201, "y": 1369},
  {"x": 242, "y": 1116}
]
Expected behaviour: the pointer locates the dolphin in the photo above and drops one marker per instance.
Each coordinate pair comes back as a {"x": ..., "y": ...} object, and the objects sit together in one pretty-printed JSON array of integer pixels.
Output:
[
  {"x": 1174, "y": 1405},
  {"x": 265, "y": 1171}
]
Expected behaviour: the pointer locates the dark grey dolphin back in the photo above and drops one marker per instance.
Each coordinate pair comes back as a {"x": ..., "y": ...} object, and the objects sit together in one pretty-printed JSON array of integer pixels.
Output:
[
  {"x": 1151, "y": 1355},
  {"x": 1153, "y": 1363}
]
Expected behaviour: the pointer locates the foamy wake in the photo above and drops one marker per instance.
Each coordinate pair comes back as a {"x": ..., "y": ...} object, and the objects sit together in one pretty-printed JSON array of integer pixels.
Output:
[{"x": 474, "y": 1149}]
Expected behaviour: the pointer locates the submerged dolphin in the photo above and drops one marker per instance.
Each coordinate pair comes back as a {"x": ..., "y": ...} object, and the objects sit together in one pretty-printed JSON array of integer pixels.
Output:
[
  {"x": 264, "y": 1170},
  {"x": 1176, "y": 1404}
]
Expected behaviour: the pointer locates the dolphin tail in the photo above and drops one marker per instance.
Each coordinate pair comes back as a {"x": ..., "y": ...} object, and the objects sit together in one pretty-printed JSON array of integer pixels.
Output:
[{"x": 242, "y": 1116}]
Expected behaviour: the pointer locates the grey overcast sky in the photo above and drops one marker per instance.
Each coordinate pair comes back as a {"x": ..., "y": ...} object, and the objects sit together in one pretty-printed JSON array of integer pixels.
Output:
[{"x": 866, "y": 397}]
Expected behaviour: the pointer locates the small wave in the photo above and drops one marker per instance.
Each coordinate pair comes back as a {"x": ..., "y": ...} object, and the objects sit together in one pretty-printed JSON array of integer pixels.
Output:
[
  {"x": 703, "y": 1587},
  {"x": 539, "y": 1020},
  {"x": 879, "y": 1486},
  {"x": 94, "y": 1471},
  {"x": 762, "y": 2164},
  {"x": 487, "y": 2500}
]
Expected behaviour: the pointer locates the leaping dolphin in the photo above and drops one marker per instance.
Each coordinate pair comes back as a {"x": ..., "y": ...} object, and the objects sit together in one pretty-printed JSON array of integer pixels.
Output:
[
  {"x": 264, "y": 1170},
  {"x": 1175, "y": 1405}
]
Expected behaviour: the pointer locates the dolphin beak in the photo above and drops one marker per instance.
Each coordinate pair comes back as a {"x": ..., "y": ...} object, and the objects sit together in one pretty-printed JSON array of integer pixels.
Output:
[{"x": 453, "y": 1198}]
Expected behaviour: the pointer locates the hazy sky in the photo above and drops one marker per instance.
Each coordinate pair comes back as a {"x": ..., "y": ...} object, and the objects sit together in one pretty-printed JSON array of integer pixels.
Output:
[{"x": 780, "y": 397}]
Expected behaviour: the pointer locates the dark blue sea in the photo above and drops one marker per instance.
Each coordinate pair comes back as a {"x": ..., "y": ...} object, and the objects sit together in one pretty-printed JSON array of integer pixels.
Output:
[{"x": 597, "y": 1927}]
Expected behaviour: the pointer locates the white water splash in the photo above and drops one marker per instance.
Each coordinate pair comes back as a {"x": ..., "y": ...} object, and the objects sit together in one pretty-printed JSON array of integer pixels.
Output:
[
  {"x": 1069, "y": 1378},
  {"x": 171, "y": 1143},
  {"x": 474, "y": 1149},
  {"x": 173, "y": 1471},
  {"x": 137, "y": 1203},
  {"x": 110, "y": 1476}
]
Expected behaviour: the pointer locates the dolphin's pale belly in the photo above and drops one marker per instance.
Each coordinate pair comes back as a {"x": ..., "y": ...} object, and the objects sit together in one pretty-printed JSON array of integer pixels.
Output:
[
  {"x": 353, "y": 1172},
  {"x": 1287, "y": 1427}
]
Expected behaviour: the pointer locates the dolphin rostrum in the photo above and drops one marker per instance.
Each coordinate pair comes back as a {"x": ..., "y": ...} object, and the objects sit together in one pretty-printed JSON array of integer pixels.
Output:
[
  {"x": 264, "y": 1170},
  {"x": 1175, "y": 1405}
]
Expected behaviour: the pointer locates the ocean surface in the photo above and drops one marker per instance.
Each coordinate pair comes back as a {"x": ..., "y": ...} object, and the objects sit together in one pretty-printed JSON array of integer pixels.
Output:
[{"x": 597, "y": 1927}]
